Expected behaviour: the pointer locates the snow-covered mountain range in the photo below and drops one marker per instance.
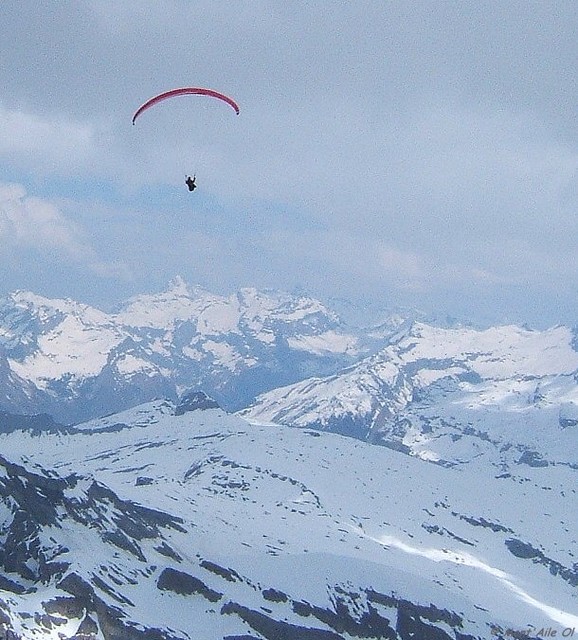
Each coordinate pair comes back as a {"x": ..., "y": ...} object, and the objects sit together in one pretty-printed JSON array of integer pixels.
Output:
[
  {"x": 175, "y": 519},
  {"x": 75, "y": 362},
  {"x": 185, "y": 522}
]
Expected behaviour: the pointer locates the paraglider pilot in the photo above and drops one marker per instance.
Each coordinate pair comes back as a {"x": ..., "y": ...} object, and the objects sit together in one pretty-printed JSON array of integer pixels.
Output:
[{"x": 190, "y": 182}]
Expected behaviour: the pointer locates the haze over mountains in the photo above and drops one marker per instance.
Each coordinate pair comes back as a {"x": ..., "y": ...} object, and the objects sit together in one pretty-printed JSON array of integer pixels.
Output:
[{"x": 447, "y": 511}]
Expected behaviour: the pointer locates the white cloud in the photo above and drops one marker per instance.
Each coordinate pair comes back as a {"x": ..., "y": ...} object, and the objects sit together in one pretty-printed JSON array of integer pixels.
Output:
[
  {"x": 402, "y": 267},
  {"x": 116, "y": 270},
  {"x": 50, "y": 145},
  {"x": 122, "y": 18},
  {"x": 31, "y": 222}
]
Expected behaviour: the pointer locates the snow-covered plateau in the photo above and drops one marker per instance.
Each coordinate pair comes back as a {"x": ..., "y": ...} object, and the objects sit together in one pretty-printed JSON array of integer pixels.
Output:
[{"x": 160, "y": 523}]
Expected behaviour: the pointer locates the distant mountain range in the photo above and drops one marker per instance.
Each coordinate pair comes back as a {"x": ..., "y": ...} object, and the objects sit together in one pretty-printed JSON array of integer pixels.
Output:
[
  {"x": 75, "y": 362},
  {"x": 289, "y": 360}
]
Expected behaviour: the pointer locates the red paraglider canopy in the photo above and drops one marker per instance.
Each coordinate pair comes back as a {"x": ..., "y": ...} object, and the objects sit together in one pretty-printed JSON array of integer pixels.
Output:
[{"x": 184, "y": 91}]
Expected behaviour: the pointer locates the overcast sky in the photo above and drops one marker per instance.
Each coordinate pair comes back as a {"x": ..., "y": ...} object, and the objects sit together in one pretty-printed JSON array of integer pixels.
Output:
[{"x": 396, "y": 153}]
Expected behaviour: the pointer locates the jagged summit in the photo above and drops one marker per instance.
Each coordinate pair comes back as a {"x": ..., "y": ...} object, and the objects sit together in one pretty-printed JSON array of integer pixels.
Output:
[
  {"x": 75, "y": 362},
  {"x": 195, "y": 401},
  {"x": 178, "y": 286},
  {"x": 177, "y": 303}
]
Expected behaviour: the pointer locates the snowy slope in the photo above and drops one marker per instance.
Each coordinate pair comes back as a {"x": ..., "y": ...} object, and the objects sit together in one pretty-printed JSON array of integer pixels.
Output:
[
  {"x": 74, "y": 361},
  {"x": 506, "y": 395},
  {"x": 269, "y": 532}
]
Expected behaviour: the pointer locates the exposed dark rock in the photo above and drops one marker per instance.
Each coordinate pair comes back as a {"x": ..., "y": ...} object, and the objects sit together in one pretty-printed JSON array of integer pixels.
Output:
[
  {"x": 526, "y": 551},
  {"x": 64, "y": 606},
  {"x": 8, "y": 634},
  {"x": 6, "y": 629},
  {"x": 21, "y": 552},
  {"x": 134, "y": 520},
  {"x": 79, "y": 588},
  {"x": 120, "y": 540},
  {"x": 9, "y": 585},
  {"x": 110, "y": 620},
  {"x": 99, "y": 583},
  {"x": 185, "y": 584},
  {"x": 273, "y": 595},
  {"x": 143, "y": 481},
  {"x": 532, "y": 459},
  {"x": 522, "y": 549},
  {"x": 272, "y": 629},
  {"x": 195, "y": 401},
  {"x": 417, "y": 612},
  {"x": 482, "y": 522},
  {"x": 434, "y": 528},
  {"x": 367, "y": 625},
  {"x": 165, "y": 550},
  {"x": 87, "y": 630},
  {"x": 227, "y": 574},
  {"x": 410, "y": 625},
  {"x": 35, "y": 494}
]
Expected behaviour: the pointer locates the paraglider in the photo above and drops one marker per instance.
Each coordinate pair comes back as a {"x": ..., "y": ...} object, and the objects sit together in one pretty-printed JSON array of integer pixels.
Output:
[
  {"x": 181, "y": 92},
  {"x": 190, "y": 182}
]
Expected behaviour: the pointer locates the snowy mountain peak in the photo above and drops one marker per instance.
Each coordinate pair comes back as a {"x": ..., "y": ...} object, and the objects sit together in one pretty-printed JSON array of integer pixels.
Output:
[
  {"x": 178, "y": 286},
  {"x": 500, "y": 351},
  {"x": 21, "y": 306},
  {"x": 177, "y": 303},
  {"x": 78, "y": 359},
  {"x": 195, "y": 401}
]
